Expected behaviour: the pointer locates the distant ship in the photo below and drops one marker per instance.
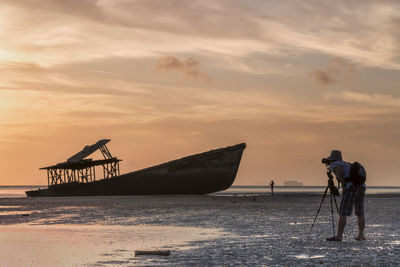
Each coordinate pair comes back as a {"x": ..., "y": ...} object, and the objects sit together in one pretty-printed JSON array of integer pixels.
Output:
[
  {"x": 292, "y": 183},
  {"x": 202, "y": 173}
]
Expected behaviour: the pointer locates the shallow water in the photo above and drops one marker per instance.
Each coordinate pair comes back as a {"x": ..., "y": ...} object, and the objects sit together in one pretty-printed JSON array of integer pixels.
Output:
[
  {"x": 19, "y": 191},
  {"x": 199, "y": 230},
  {"x": 70, "y": 245}
]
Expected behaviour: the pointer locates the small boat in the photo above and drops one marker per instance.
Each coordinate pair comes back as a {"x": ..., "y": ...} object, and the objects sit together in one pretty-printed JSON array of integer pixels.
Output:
[{"x": 202, "y": 173}]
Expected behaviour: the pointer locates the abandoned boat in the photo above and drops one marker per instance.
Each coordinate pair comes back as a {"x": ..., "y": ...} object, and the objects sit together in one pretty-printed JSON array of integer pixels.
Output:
[{"x": 202, "y": 173}]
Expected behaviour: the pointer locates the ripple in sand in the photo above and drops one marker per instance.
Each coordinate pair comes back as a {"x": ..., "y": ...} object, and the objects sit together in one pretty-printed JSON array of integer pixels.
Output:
[
  {"x": 258, "y": 236},
  {"x": 305, "y": 256},
  {"x": 298, "y": 223}
]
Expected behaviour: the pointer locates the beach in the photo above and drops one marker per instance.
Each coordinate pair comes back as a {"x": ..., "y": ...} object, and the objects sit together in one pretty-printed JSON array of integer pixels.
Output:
[{"x": 212, "y": 230}]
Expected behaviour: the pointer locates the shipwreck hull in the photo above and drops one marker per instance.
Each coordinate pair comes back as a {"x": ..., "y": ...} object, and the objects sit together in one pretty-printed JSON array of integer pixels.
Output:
[{"x": 203, "y": 173}]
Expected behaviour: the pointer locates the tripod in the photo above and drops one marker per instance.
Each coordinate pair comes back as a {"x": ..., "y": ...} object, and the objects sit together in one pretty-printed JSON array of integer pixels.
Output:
[{"x": 333, "y": 192}]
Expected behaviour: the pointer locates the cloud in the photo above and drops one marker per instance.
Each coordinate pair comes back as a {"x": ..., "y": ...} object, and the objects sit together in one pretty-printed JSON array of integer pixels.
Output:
[
  {"x": 73, "y": 80},
  {"x": 189, "y": 67},
  {"x": 54, "y": 32},
  {"x": 322, "y": 77},
  {"x": 370, "y": 99},
  {"x": 337, "y": 71}
]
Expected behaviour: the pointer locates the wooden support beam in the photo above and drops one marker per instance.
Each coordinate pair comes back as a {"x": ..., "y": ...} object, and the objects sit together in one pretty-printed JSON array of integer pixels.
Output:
[
  {"x": 81, "y": 173},
  {"x": 105, "y": 152}
]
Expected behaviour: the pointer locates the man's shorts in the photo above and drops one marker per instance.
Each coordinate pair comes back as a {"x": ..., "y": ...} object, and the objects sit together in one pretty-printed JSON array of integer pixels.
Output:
[{"x": 352, "y": 196}]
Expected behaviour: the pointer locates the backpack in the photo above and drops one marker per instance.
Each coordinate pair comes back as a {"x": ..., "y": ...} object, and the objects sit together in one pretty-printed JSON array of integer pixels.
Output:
[{"x": 357, "y": 174}]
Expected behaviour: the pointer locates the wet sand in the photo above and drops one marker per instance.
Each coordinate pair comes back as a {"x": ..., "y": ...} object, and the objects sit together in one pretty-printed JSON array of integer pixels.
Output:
[{"x": 260, "y": 230}]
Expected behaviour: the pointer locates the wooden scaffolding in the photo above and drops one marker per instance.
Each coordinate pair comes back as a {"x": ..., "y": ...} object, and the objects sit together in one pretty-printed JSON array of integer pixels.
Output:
[{"x": 77, "y": 169}]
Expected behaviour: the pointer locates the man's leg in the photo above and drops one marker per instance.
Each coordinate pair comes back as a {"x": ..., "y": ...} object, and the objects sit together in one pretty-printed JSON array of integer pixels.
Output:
[
  {"x": 341, "y": 226},
  {"x": 346, "y": 205},
  {"x": 359, "y": 205},
  {"x": 361, "y": 226}
]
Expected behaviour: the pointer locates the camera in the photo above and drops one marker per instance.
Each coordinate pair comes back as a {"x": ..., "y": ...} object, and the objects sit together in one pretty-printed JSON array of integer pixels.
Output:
[{"x": 326, "y": 161}]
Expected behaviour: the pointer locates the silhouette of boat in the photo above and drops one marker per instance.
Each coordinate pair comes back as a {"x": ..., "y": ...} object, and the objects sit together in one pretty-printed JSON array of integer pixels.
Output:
[{"x": 202, "y": 173}]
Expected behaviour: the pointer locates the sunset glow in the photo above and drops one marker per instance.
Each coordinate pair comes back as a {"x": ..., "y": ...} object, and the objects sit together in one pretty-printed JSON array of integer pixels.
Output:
[{"x": 165, "y": 78}]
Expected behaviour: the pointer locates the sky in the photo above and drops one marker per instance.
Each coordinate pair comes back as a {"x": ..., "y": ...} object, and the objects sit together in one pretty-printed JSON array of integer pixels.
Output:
[{"x": 165, "y": 79}]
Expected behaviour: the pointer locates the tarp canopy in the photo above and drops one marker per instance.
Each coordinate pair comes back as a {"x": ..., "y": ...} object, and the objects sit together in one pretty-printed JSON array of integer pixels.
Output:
[{"x": 87, "y": 150}]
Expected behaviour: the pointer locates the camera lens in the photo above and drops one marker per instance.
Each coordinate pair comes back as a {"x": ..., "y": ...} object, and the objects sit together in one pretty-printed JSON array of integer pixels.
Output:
[{"x": 325, "y": 161}]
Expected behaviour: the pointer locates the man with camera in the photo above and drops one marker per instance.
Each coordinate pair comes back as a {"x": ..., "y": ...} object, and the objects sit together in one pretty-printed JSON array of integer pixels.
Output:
[{"x": 352, "y": 178}]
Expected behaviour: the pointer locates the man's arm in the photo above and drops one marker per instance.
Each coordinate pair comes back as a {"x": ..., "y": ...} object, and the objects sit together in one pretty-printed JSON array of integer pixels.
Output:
[{"x": 339, "y": 173}]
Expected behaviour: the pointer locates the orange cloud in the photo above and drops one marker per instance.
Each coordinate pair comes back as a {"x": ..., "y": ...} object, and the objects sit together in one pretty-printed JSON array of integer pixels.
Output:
[
  {"x": 337, "y": 70},
  {"x": 189, "y": 67},
  {"x": 383, "y": 100}
]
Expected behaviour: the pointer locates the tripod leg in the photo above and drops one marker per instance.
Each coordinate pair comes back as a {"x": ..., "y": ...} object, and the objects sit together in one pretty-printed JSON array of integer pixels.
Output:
[
  {"x": 316, "y": 215},
  {"x": 333, "y": 219}
]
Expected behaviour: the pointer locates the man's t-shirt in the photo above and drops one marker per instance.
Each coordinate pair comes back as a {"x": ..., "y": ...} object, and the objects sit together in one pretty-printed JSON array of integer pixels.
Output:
[{"x": 340, "y": 166}]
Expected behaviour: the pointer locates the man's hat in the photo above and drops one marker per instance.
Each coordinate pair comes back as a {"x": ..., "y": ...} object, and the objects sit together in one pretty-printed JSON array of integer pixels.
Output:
[{"x": 335, "y": 155}]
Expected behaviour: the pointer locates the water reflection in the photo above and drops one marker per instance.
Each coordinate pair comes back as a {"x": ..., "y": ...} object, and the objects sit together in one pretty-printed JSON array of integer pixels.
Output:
[
  {"x": 16, "y": 212},
  {"x": 70, "y": 245}
]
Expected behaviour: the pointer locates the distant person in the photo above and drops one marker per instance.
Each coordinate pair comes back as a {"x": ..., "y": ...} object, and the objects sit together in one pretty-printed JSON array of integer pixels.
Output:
[
  {"x": 352, "y": 194},
  {"x": 271, "y": 184}
]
